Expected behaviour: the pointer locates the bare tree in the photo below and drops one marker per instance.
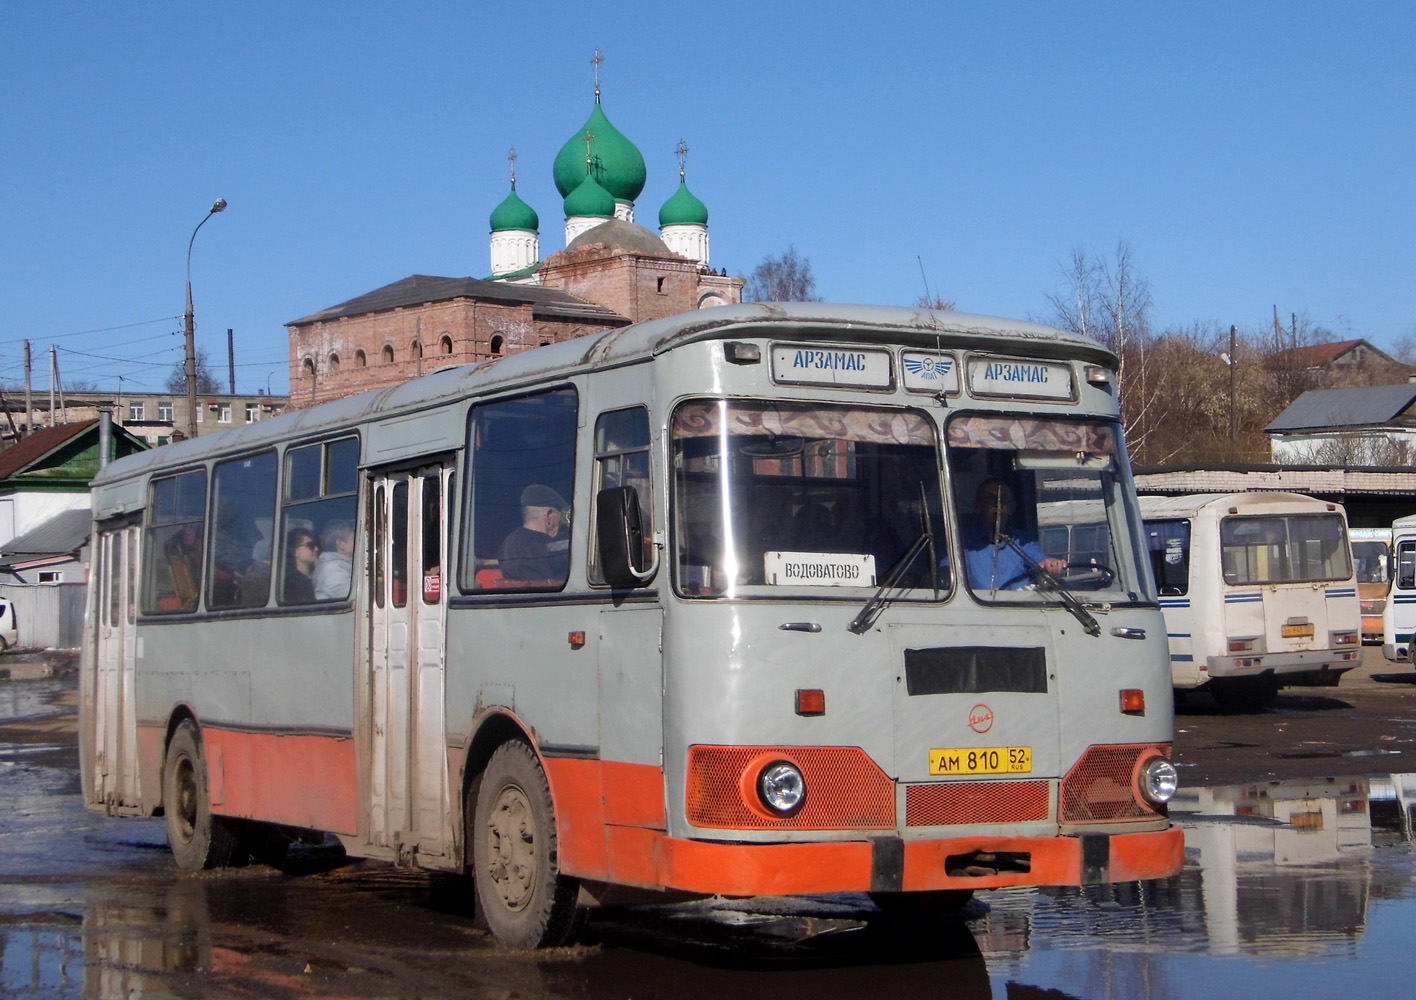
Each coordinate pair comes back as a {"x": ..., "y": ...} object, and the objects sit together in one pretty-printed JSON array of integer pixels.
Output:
[
  {"x": 1107, "y": 301},
  {"x": 786, "y": 278},
  {"x": 207, "y": 383},
  {"x": 936, "y": 302}
]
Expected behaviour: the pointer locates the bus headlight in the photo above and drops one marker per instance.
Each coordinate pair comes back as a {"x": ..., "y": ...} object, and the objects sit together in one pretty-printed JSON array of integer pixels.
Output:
[
  {"x": 1159, "y": 780},
  {"x": 781, "y": 788}
]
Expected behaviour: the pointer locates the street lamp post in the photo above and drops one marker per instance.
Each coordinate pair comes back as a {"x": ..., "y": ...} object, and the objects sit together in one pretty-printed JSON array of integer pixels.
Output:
[{"x": 190, "y": 323}]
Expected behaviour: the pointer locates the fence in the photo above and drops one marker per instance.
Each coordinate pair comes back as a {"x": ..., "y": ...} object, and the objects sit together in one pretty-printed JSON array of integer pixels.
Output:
[{"x": 49, "y": 615}]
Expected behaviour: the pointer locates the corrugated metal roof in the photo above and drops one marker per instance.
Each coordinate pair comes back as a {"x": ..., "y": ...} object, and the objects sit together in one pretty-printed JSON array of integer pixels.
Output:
[
  {"x": 1363, "y": 406},
  {"x": 417, "y": 289},
  {"x": 63, "y": 533}
]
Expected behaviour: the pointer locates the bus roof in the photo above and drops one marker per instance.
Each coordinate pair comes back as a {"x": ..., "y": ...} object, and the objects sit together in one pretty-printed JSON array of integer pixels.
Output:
[
  {"x": 1153, "y": 507},
  {"x": 626, "y": 345}
]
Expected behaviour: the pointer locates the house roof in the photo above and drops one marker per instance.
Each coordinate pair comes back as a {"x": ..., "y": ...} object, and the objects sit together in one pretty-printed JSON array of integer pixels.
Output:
[
  {"x": 63, "y": 534},
  {"x": 1329, "y": 409},
  {"x": 418, "y": 289},
  {"x": 1322, "y": 355},
  {"x": 31, "y": 449}
]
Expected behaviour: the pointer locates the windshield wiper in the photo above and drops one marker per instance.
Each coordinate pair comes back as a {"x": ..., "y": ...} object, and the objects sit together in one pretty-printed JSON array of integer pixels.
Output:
[
  {"x": 861, "y": 622},
  {"x": 1069, "y": 600}
]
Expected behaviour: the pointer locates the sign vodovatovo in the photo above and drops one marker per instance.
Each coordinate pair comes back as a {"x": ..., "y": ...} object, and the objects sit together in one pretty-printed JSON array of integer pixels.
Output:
[
  {"x": 822, "y": 364},
  {"x": 1020, "y": 377}
]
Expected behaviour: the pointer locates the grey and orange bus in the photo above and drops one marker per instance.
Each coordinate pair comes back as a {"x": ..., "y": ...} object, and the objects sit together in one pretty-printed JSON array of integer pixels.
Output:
[{"x": 690, "y": 605}]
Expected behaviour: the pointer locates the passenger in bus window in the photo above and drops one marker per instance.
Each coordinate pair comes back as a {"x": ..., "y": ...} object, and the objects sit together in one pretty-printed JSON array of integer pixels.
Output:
[
  {"x": 540, "y": 548},
  {"x": 335, "y": 567},
  {"x": 301, "y": 552},
  {"x": 184, "y": 560},
  {"x": 992, "y": 543}
]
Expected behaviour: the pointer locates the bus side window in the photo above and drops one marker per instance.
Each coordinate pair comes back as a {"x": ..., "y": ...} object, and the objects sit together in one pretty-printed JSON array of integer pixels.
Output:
[
  {"x": 622, "y": 459},
  {"x": 175, "y": 543},
  {"x": 518, "y": 521},
  {"x": 1168, "y": 543},
  {"x": 1406, "y": 566},
  {"x": 317, "y": 521},
  {"x": 243, "y": 520}
]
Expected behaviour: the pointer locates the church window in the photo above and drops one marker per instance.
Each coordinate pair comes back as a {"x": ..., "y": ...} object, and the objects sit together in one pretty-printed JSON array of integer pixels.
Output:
[
  {"x": 497, "y": 345},
  {"x": 309, "y": 367},
  {"x": 446, "y": 344},
  {"x": 388, "y": 354},
  {"x": 334, "y": 362},
  {"x": 360, "y": 359}
]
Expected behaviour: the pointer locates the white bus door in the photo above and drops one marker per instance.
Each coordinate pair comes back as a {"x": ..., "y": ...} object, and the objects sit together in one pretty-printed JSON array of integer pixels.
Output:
[
  {"x": 114, "y": 739},
  {"x": 408, "y": 784}
]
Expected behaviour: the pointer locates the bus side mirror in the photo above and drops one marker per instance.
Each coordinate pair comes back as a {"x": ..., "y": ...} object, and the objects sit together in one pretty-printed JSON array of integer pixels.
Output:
[{"x": 619, "y": 537}]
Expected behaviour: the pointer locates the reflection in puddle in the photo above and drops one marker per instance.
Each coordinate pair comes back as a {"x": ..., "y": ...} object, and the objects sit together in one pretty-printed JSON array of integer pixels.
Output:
[{"x": 1302, "y": 887}]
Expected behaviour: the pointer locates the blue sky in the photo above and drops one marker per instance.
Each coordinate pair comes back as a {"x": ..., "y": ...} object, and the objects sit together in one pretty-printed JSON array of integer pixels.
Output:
[{"x": 1252, "y": 155}]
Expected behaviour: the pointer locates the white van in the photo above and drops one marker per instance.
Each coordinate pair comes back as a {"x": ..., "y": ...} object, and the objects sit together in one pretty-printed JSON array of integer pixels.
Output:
[{"x": 1258, "y": 592}]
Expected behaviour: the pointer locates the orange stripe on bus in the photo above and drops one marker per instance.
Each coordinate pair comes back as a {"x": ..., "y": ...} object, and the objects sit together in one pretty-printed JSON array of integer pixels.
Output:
[
  {"x": 652, "y": 859},
  {"x": 592, "y": 796},
  {"x": 305, "y": 781}
]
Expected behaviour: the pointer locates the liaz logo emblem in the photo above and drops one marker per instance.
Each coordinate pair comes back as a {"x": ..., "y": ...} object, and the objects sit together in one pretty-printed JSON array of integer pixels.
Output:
[
  {"x": 930, "y": 368},
  {"x": 980, "y": 718}
]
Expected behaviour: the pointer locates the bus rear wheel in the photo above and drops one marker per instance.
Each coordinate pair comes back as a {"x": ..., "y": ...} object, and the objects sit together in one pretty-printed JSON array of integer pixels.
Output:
[
  {"x": 525, "y": 900},
  {"x": 197, "y": 838}
]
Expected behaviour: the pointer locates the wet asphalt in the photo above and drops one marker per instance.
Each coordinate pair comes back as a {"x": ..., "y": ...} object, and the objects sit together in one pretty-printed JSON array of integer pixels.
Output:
[{"x": 1300, "y": 879}]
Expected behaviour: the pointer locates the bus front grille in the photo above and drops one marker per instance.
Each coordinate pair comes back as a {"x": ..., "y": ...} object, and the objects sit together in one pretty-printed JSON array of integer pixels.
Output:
[{"x": 956, "y": 802}]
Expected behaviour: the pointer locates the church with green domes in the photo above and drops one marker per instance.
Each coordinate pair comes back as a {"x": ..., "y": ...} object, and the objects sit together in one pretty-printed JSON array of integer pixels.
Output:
[{"x": 612, "y": 272}]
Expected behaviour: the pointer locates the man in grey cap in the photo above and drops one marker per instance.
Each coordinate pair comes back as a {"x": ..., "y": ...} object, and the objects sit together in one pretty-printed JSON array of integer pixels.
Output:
[{"x": 540, "y": 548}]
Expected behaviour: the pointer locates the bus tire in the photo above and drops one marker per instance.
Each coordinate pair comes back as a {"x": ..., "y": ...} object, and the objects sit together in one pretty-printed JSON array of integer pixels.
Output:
[
  {"x": 525, "y": 900},
  {"x": 197, "y": 838}
]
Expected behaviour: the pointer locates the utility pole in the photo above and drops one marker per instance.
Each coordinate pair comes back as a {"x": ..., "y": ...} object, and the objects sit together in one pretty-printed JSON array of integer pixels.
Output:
[
  {"x": 190, "y": 325},
  {"x": 231, "y": 360},
  {"x": 29, "y": 401}
]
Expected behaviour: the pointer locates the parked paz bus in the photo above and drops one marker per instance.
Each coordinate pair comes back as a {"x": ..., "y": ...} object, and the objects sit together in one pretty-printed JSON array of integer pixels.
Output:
[
  {"x": 1258, "y": 591},
  {"x": 1399, "y": 615},
  {"x": 747, "y": 601}
]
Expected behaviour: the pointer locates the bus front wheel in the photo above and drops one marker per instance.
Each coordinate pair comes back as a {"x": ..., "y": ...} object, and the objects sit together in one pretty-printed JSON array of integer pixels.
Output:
[
  {"x": 523, "y": 897},
  {"x": 197, "y": 838}
]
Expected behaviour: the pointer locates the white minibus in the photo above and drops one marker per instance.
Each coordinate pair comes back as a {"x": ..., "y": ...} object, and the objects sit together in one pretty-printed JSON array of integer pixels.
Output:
[{"x": 1258, "y": 592}]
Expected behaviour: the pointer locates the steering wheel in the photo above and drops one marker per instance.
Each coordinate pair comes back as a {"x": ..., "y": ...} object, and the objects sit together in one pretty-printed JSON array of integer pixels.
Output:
[{"x": 1087, "y": 576}]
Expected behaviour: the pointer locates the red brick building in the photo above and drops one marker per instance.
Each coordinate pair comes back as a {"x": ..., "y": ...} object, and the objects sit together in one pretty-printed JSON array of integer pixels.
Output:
[{"x": 612, "y": 273}]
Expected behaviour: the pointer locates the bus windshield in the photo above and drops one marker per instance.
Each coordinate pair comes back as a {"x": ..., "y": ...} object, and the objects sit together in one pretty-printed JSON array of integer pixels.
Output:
[
  {"x": 774, "y": 496},
  {"x": 1041, "y": 502}
]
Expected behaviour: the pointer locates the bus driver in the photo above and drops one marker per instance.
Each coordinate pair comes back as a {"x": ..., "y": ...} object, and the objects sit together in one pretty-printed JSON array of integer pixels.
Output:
[
  {"x": 991, "y": 546},
  {"x": 540, "y": 548}
]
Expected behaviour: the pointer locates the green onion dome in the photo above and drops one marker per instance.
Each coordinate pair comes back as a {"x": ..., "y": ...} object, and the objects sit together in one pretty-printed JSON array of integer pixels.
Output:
[
  {"x": 683, "y": 209},
  {"x": 590, "y": 200},
  {"x": 615, "y": 161},
  {"x": 513, "y": 213}
]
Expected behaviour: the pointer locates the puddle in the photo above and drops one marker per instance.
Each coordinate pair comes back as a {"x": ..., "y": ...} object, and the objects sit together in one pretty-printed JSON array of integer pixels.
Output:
[{"x": 1290, "y": 887}]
